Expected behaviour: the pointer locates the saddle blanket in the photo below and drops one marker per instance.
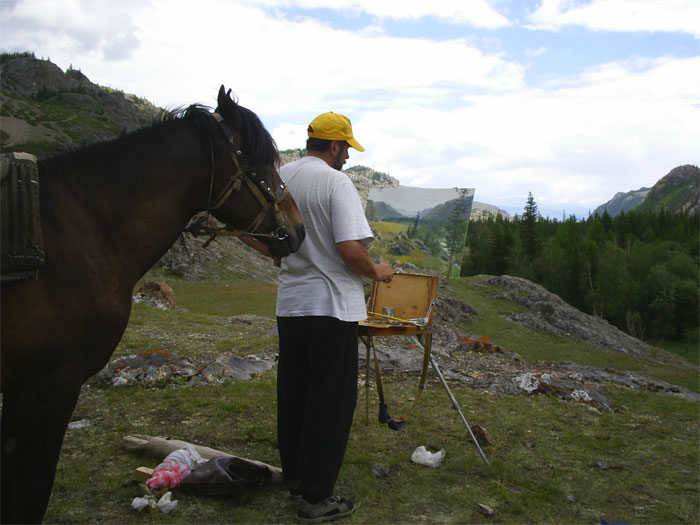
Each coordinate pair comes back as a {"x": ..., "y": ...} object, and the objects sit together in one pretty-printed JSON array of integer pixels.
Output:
[{"x": 22, "y": 251}]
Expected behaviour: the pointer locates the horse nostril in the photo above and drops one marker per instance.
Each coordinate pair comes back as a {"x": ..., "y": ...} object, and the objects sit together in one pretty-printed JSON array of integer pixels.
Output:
[{"x": 281, "y": 233}]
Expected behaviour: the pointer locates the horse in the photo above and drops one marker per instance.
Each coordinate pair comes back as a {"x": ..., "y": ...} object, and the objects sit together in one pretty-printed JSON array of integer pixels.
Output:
[{"x": 109, "y": 211}]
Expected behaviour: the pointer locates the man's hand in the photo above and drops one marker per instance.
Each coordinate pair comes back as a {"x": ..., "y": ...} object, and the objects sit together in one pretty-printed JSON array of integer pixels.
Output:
[
  {"x": 384, "y": 272},
  {"x": 355, "y": 256}
]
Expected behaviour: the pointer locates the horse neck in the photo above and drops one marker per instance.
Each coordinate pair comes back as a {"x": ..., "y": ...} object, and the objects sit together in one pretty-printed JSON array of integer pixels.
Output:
[{"x": 134, "y": 204}]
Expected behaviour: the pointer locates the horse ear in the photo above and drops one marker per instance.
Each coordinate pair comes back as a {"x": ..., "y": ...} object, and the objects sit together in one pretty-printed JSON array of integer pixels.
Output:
[
  {"x": 221, "y": 98},
  {"x": 228, "y": 107}
]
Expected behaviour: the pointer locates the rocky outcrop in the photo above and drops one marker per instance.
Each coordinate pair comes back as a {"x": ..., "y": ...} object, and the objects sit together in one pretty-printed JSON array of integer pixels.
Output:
[
  {"x": 547, "y": 312},
  {"x": 189, "y": 258},
  {"x": 677, "y": 192},
  {"x": 37, "y": 96},
  {"x": 158, "y": 368},
  {"x": 29, "y": 77},
  {"x": 473, "y": 360}
]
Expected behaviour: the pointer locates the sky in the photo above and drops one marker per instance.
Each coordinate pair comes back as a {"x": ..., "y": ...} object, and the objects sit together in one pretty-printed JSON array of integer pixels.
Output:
[{"x": 570, "y": 100}]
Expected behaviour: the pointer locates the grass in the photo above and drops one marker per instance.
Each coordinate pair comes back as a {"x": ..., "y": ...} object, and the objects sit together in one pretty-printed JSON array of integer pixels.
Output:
[
  {"x": 685, "y": 349},
  {"x": 225, "y": 299},
  {"x": 537, "y": 346},
  {"x": 545, "y": 452},
  {"x": 552, "y": 461},
  {"x": 386, "y": 229}
]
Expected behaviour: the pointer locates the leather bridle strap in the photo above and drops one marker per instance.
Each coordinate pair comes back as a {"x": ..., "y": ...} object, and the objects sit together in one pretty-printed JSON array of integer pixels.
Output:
[{"x": 261, "y": 190}]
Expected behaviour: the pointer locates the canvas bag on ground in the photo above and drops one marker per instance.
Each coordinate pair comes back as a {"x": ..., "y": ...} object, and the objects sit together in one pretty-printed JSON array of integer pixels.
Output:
[{"x": 224, "y": 475}]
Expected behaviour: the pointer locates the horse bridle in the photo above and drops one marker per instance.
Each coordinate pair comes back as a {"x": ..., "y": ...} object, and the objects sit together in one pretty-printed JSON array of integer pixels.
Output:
[{"x": 261, "y": 190}]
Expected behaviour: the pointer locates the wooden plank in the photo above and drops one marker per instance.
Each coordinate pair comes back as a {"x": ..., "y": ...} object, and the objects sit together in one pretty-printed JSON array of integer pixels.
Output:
[{"x": 143, "y": 474}]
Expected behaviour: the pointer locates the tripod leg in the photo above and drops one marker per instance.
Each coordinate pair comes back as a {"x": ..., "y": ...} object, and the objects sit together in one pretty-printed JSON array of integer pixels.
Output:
[
  {"x": 456, "y": 405},
  {"x": 368, "y": 342}
]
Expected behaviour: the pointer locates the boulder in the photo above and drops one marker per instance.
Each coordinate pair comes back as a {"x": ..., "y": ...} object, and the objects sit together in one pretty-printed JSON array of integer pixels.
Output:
[{"x": 158, "y": 293}]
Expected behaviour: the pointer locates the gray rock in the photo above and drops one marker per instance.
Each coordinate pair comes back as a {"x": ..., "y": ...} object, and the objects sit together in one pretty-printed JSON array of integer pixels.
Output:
[{"x": 549, "y": 313}]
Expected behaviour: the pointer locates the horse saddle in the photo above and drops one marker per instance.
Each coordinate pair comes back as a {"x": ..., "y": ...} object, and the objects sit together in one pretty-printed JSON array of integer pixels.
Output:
[
  {"x": 22, "y": 249},
  {"x": 223, "y": 476}
]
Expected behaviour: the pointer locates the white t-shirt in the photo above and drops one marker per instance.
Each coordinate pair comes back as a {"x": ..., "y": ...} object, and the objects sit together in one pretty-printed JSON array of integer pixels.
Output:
[{"x": 314, "y": 281}]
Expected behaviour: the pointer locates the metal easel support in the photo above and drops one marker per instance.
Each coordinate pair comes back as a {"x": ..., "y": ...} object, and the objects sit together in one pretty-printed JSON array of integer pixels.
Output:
[{"x": 454, "y": 403}]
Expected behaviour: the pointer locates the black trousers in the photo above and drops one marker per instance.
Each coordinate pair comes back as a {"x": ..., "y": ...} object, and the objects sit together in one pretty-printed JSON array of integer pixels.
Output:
[{"x": 316, "y": 398}]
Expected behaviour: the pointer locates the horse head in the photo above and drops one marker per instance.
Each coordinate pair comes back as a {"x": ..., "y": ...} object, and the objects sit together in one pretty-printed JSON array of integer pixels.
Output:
[{"x": 252, "y": 175}]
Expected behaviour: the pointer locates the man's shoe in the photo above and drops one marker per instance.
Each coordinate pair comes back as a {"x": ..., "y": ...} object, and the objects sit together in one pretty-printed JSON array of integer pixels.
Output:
[{"x": 329, "y": 509}]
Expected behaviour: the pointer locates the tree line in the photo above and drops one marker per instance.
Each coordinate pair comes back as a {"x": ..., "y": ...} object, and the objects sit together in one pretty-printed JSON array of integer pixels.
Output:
[{"x": 638, "y": 270}]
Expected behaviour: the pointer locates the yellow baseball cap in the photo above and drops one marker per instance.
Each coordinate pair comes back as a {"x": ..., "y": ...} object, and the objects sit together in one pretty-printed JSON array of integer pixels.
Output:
[{"x": 333, "y": 126}]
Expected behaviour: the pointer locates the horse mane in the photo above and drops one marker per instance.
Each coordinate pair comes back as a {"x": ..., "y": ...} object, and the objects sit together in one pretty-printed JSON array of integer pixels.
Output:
[{"x": 259, "y": 146}]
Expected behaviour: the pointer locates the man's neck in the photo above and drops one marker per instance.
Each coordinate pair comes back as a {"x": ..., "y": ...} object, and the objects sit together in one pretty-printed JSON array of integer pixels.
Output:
[{"x": 325, "y": 156}]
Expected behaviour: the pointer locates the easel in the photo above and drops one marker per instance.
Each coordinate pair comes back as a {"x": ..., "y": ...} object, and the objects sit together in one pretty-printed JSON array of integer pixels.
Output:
[{"x": 412, "y": 297}]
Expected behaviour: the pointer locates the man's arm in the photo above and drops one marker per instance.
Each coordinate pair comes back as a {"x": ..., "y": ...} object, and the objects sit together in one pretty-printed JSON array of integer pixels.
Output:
[{"x": 356, "y": 257}]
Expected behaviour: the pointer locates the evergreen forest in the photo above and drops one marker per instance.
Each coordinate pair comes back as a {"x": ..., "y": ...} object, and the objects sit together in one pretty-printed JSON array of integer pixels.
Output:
[{"x": 638, "y": 270}]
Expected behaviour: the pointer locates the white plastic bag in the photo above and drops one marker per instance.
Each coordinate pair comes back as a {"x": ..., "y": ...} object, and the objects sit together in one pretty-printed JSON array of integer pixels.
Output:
[
  {"x": 186, "y": 455},
  {"x": 422, "y": 456},
  {"x": 142, "y": 503},
  {"x": 166, "y": 503}
]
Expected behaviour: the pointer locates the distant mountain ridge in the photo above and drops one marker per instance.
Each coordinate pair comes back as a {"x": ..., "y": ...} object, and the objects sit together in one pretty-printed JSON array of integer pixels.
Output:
[
  {"x": 677, "y": 192},
  {"x": 622, "y": 202}
]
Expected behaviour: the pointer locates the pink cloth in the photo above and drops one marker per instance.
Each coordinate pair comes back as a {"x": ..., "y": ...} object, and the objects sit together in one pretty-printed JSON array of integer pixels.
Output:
[{"x": 168, "y": 474}]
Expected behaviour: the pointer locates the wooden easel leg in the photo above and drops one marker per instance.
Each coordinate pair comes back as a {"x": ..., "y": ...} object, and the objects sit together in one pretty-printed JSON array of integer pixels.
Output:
[
  {"x": 426, "y": 342},
  {"x": 368, "y": 342}
]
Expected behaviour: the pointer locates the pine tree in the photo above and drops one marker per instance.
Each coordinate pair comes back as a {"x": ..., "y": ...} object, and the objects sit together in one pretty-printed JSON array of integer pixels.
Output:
[
  {"x": 413, "y": 228},
  {"x": 456, "y": 229},
  {"x": 530, "y": 231}
]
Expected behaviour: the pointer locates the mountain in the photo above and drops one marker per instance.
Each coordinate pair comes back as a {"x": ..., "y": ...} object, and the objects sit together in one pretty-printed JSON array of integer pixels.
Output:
[
  {"x": 484, "y": 211},
  {"x": 677, "y": 192},
  {"x": 442, "y": 212},
  {"x": 622, "y": 202},
  {"x": 44, "y": 107}
]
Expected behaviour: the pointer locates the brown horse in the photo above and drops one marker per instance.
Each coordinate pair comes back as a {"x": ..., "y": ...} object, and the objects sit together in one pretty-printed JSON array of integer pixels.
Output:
[{"x": 109, "y": 211}]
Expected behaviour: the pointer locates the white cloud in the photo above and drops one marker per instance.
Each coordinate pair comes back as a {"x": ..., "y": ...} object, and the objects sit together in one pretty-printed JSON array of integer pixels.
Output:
[
  {"x": 272, "y": 63},
  {"x": 94, "y": 28},
  {"x": 619, "y": 15},
  {"x": 476, "y": 13},
  {"x": 615, "y": 127},
  {"x": 431, "y": 113}
]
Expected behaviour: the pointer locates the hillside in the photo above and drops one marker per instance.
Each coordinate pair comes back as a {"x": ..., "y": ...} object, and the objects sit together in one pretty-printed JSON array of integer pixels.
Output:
[
  {"x": 622, "y": 202},
  {"x": 556, "y": 413},
  {"x": 43, "y": 107},
  {"x": 676, "y": 192}
]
